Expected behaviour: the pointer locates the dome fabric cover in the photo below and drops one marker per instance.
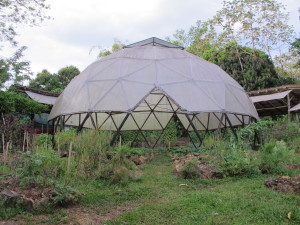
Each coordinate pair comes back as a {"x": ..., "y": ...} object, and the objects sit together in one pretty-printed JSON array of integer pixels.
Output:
[{"x": 142, "y": 87}]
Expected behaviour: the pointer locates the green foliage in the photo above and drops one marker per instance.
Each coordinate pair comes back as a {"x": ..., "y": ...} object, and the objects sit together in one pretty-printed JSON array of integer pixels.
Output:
[
  {"x": 12, "y": 102},
  {"x": 288, "y": 65},
  {"x": 190, "y": 169},
  {"x": 117, "y": 46},
  {"x": 236, "y": 162},
  {"x": 14, "y": 13},
  {"x": 198, "y": 40},
  {"x": 251, "y": 68},
  {"x": 123, "y": 170},
  {"x": 273, "y": 155},
  {"x": 90, "y": 147},
  {"x": 45, "y": 81},
  {"x": 54, "y": 82},
  {"x": 65, "y": 195},
  {"x": 247, "y": 133},
  {"x": 14, "y": 69},
  {"x": 64, "y": 138},
  {"x": 170, "y": 134},
  {"x": 4, "y": 72},
  {"x": 40, "y": 168},
  {"x": 60, "y": 217},
  {"x": 282, "y": 130},
  {"x": 296, "y": 45},
  {"x": 8, "y": 213},
  {"x": 259, "y": 24},
  {"x": 44, "y": 140},
  {"x": 66, "y": 74}
]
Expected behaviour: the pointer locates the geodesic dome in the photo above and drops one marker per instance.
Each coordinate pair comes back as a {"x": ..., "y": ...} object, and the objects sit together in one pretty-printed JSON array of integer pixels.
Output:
[{"x": 144, "y": 85}]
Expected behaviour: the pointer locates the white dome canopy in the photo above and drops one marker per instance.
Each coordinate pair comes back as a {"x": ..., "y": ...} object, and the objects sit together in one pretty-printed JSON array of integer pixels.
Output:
[{"x": 142, "y": 87}]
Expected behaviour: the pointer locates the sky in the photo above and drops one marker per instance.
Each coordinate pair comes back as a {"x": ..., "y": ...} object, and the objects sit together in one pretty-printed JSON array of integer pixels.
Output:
[{"x": 79, "y": 29}]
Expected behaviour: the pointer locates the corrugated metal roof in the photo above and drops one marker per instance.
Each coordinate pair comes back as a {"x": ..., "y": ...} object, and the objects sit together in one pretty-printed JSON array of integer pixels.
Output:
[
  {"x": 49, "y": 100},
  {"x": 263, "y": 98}
]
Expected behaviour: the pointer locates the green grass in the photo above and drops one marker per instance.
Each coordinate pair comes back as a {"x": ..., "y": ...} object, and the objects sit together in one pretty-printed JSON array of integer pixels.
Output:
[{"x": 158, "y": 198}]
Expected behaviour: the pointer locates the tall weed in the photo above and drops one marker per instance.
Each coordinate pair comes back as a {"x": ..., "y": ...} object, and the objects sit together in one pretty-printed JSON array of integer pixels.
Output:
[{"x": 273, "y": 155}]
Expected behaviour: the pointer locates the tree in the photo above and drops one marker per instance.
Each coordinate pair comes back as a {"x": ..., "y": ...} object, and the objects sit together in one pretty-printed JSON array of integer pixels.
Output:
[
  {"x": 258, "y": 69},
  {"x": 117, "y": 46},
  {"x": 66, "y": 74},
  {"x": 4, "y": 74},
  {"x": 54, "y": 82},
  {"x": 13, "y": 121},
  {"x": 16, "y": 12},
  {"x": 12, "y": 102},
  {"x": 200, "y": 38},
  {"x": 288, "y": 64},
  {"x": 45, "y": 81},
  {"x": 259, "y": 24},
  {"x": 295, "y": 47},
  {"x": 15, "y": 69}
]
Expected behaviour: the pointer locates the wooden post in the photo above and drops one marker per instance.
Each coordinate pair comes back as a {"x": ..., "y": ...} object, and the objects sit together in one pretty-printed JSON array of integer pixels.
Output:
[
  {"x": 27, "y": 138},
  {"x": 58, "y": 149},
  {"x": 3, "y": 143},
  {"x": 289, "y": 107},
  {"x": 120, "y": 142},
  {"x": 69, "y": 157},
  {"x": 24, "y": 139}
]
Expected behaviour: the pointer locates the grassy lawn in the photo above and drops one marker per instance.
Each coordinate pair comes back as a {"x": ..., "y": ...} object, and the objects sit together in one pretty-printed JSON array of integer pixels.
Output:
[{"x": 158, "y": 198}]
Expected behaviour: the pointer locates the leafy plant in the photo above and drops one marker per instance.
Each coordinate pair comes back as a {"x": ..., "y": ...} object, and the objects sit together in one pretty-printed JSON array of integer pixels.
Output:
[
  {"x": 170, "y": 133},
  {"x": 236, "y": 162},
  {"x": 44, "y": 140},
  {"x": 40, "y": 168},
  {"x": 190, "y": 169},
  {"x": 65, "y": 195},
  {"x": 273, "y": 155},
  {"x": 119, "y": 169}
]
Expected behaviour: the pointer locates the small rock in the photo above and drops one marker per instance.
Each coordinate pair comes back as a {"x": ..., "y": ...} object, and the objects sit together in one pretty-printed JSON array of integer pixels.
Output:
[
  {"x": 8, "y": 193},
  {"x": 26, "y": 203},
  {"x": 143, "y": 159},
  {"x": 43, "y": 203},
  {"x": 9, "y": 197}
]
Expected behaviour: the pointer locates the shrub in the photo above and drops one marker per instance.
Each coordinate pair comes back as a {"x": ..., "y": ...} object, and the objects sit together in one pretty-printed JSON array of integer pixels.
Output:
[
  {"x": 119, "y": 169},
  {"x": 170, "y": 133},
  {"x": 190, "y": 169},
  {"x": 40, "y": 167},
  {"x": 65, "y": 195},
  {"x": 90, "y": 147},
  {"x": 236, "y": 162},
  {"x": 88, "y": 151},
  {"x": 282, "y": 130},
  {"x": 273, "y": 155},
  {"x": 44, "y": 140},
  {"x": 64, "y": 138}
]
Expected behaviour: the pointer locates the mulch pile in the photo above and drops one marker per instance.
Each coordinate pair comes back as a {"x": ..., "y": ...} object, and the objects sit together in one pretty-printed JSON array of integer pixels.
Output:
[{"x": 284, "y": 184}]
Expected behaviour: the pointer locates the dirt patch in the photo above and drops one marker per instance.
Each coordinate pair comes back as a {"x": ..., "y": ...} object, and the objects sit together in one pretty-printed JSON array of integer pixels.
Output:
[
  {"x": 85, "y": 215},
  {"x": 292, "y": 166},
  {"x": 284, "y": 184},
  {"x": 79, "y": 215}
]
